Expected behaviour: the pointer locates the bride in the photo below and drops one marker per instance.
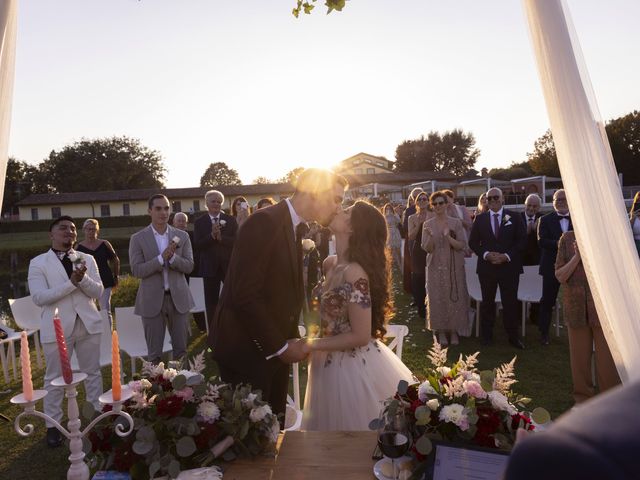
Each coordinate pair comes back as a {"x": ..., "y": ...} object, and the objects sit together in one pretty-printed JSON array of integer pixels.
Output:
[{"x": 350, "y": 370}]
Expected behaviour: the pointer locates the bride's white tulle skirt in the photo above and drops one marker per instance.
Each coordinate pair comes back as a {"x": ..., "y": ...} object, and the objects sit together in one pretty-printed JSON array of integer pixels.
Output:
[{"x": 345, "y": 390}]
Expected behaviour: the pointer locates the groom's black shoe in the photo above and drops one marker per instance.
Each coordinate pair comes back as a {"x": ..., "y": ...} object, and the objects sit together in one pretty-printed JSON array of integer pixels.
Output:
[
  {"x": 517, "y": 343},
  {"x": 54, "y": 438}
]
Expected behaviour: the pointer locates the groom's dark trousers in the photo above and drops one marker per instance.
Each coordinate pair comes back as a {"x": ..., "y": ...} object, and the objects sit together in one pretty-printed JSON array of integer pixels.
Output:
[{"x": 260, "y": 305}]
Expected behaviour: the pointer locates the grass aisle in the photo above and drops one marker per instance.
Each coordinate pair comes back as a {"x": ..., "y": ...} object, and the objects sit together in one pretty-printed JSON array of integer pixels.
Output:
[{"x": 542, "y": 372}]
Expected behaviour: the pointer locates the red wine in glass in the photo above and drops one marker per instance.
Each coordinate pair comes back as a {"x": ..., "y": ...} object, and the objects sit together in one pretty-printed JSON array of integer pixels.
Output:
[{"x": 393, "y": 444}]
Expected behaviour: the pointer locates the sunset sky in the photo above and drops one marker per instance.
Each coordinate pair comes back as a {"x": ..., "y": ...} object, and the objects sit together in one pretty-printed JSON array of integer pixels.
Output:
[{"x": 246, "y": 83}]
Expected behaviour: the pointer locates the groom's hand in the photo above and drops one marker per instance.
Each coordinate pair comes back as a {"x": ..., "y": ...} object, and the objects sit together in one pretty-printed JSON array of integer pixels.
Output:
[{"x": 295, "y": 352}]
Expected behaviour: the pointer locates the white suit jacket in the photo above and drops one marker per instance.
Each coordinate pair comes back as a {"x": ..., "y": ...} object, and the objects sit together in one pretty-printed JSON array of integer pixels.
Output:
[{"x": 50, "y": 287}]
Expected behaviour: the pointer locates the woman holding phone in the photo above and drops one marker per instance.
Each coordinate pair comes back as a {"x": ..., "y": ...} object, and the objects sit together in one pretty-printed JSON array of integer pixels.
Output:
[{"x": 240, "y": 210}]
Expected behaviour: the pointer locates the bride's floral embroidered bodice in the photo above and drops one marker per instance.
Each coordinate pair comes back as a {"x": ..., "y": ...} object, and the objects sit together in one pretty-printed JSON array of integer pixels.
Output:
[{"x": 334, "y": 304}]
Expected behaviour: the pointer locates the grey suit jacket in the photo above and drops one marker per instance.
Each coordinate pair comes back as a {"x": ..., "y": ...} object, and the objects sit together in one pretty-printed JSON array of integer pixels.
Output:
[{"x": 143, "y": 257}]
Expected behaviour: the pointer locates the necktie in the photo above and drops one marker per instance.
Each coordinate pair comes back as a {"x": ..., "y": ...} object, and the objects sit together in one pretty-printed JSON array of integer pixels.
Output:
[{"x": 496, "y": 225}]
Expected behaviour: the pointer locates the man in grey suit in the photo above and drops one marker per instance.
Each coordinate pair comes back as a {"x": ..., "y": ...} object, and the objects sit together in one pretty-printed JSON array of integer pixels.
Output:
[{"x": 160, "y": 256}]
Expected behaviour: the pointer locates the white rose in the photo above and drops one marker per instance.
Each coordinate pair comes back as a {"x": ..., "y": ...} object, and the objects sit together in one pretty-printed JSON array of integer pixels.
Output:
[
  {"x": 444, "y": 371},
  {"x": 176, "y": 240},
  {"x": 223, "y": 223},
  {"x": 425, "y": 389},
  {"x": 308, "y": 244},
  {"x": 249, "y": 401},
  {"x": 209, "y": 411},
  {"x": 169, "y": 374},
  {"x": 455, "y": 414},
  {"x": 433, "y": 404},
  {"x": 500, "y": 402},
  {"x": 73, "y": 256},
  {"x": 257, "y": 414}
]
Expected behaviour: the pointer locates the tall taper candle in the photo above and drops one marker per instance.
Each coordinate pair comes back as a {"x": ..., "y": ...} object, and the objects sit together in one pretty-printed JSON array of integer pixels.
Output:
[
  {"x": 67, "y": 373},
  {"x": 25, "y": 362},
  {"x": 116, "y": 387}
]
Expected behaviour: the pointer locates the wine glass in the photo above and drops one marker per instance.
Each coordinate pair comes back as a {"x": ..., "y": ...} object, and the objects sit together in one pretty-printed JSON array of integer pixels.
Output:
[{"x": 394, "y": 438}]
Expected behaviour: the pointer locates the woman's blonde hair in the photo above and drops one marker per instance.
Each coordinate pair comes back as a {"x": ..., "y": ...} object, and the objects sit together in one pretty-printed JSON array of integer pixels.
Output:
[
  {"x": 635, "y": 205},
  {"x": 90, "y": 221}
]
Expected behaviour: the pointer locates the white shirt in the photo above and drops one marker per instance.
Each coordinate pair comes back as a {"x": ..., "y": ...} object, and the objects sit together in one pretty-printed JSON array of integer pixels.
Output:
[
  {"x": 162, "y": 241},
  {"x": 493, "y": 214},
  {"x": 564, "y": 222},
  {"x": 296, "y": 220}
]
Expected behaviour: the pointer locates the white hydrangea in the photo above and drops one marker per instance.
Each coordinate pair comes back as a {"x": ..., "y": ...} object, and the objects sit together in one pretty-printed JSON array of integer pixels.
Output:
[
  {"x": 425, "y": 389},
  {"x": 500, "y": 402},
  {"x": 209, "y": 412},
  {"x": 257, "y": 414},
  {"x": 455, "y": 413}
]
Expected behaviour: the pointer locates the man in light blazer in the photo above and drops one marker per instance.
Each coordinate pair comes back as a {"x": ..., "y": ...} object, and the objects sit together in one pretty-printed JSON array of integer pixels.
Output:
[
  {"x": 160, "y": 256},
  {"x": 55, "y": 283}
]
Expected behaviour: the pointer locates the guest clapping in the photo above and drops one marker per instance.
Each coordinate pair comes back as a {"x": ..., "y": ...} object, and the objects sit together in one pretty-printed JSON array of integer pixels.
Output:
[
  {"x": 394, "y": 237},
  {"x": 444, "y": 239},
  {"x": 583, "y": 327},
  {"x": 240, "y": 210},
  {"x": 634, "y": 217},
  {"x": 106, "y": 258}
]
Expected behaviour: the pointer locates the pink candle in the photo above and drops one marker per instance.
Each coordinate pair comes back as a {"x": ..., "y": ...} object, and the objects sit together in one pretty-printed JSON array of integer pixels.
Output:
[
  {"x": 25, "y": 361},
  {"x": 67, "y": 373},
  {"x": 116, "y": 387}
]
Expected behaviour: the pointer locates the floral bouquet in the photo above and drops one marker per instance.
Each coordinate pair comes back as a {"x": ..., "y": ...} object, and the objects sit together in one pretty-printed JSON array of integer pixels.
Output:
[
  {"x": 182, "y": 422},
  {"x": 460, "y": 404}
]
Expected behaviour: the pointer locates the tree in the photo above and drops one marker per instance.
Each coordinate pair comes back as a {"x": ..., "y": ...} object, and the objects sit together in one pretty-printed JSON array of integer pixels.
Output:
[
  {"x": 515, "y": 170},
  {"x": 116, "y": 163},
  {"x": 307, "y": 6},
  {"x": 543, "y": 160},
  {"x": 219, "y": 173},
  {"x": 22, "y": 180},
  {"x": 624, "y": 138},
  {"x": 453, "y": 151},
  {"x": 291, "y": 176},
  {"x": 262, "y": 181}
]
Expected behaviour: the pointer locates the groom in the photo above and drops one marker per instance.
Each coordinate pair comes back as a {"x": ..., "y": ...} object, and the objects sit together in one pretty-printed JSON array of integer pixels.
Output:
[{"x": 255, "y": 328}]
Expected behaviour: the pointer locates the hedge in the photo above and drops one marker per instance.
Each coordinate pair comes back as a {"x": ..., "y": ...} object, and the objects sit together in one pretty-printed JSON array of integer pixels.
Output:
[{"x": 43, "y": 225}]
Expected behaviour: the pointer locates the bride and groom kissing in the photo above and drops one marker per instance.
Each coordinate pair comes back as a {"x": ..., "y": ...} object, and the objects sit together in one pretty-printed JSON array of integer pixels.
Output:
[{"x": 254, "y": 334}]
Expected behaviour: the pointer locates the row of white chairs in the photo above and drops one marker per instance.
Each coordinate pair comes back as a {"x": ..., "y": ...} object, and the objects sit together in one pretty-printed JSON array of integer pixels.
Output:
[{"x": 529, "y": 292}]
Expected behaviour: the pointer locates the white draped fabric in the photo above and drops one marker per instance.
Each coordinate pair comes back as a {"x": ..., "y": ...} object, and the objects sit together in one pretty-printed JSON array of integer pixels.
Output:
[
  {"x": 589, "y": 176},
  {"x": 8, "y": 24}
]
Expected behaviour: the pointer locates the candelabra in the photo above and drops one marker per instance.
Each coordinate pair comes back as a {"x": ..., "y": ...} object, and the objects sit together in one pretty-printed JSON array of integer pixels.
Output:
[{"x": 78, "y": 470}]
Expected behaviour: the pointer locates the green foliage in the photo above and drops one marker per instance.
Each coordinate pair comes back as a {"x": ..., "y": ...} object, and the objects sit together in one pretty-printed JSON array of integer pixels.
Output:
[
  {"x": 453, "y": 151},
  {"x": 543, "y": 160},
  {"x": 115, "y": 163},
  {"x": 124, "y": 295},
  {"x": 261, "y": 180},
  {"x": 306, "y": 6},
  {"x": 219, "y": 173},
  {"x": 291, "y": 176},
  {"x": 22, "y": 179},
  {"x": 515, "y": 170},
  {"x": 42, "y": 226}
]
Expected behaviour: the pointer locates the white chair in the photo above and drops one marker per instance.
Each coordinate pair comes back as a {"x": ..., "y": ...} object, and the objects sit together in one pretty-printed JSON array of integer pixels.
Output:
[
  {"x": 27, "y": 316},
  {"x": 131, "y": 336},
  {"x": 196, "y": 285},
  {"x": 105, "y": 343},
  {"x": 12, "y": 337},
  {"x": 397, "y": 332},
  {"x": 293, "y": 411},
  {"x": 474, "y": 289},
  {"x": 530, "y": 291}
]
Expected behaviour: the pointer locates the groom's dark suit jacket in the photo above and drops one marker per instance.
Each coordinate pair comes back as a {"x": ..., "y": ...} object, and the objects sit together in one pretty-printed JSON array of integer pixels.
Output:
[
  {"x": 261, "y": 299},
  {"x": 511, "y": 240},
  {"x": 549, "y": 233}
]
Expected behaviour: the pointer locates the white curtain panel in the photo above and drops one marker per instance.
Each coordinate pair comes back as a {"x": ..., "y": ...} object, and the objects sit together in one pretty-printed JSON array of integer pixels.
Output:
[
  {"x": 589, "y": 176},
  {"x": 8, "y": 24}
]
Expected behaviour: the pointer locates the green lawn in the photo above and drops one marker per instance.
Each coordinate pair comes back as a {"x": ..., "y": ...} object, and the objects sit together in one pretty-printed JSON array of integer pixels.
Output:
[{"x": 543, "y": 374}]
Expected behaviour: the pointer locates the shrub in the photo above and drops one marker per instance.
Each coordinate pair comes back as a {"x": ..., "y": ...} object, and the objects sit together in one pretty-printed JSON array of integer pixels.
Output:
[{"x": 124, "y": 295}]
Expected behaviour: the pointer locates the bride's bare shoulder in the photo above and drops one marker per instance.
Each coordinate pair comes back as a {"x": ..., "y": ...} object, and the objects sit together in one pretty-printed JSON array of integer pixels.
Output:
[{"x": 329, "y": 264}]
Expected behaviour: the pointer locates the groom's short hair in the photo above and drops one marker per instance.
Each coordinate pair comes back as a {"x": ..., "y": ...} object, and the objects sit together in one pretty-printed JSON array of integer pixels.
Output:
[{"x": 317, "y": 180}]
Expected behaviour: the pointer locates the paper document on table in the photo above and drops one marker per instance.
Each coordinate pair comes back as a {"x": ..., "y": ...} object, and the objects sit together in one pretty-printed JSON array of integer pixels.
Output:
[{"x": 459, "y": 463}]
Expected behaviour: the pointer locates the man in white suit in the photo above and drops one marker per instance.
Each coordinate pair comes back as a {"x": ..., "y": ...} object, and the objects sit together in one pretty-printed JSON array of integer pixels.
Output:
[
  {"x": 160, "y": 256},
  {"x": 55, "y": 282}
]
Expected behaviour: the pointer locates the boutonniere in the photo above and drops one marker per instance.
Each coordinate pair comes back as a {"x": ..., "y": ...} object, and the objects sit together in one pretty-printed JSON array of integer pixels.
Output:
[
  {"x": 223, "y": 223},
  {"x": 76, "y": 258},
  {"x": 308, "y": 245},
  {"x": 176, "y": 240},
  {"x": 506, "y": 220}
]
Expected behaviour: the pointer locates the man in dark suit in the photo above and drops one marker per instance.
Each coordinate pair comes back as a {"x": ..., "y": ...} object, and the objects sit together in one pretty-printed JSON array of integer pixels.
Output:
[
  {"x": 530, "y": 217},
  {"x": 550, "y": 229},
  {"x": 498, "y": 237},
  {"x": 595, "y": 441},
  {"x": 214, "y": 235},
  {"x": 254, "y": 335}
]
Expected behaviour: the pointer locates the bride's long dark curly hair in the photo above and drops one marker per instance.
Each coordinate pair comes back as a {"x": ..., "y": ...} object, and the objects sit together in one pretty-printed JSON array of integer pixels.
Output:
[{"x": 368, "y": 247}]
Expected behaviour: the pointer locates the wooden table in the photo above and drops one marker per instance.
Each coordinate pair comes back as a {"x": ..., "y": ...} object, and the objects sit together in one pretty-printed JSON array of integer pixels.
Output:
[{"x": 311, "y": 456}]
